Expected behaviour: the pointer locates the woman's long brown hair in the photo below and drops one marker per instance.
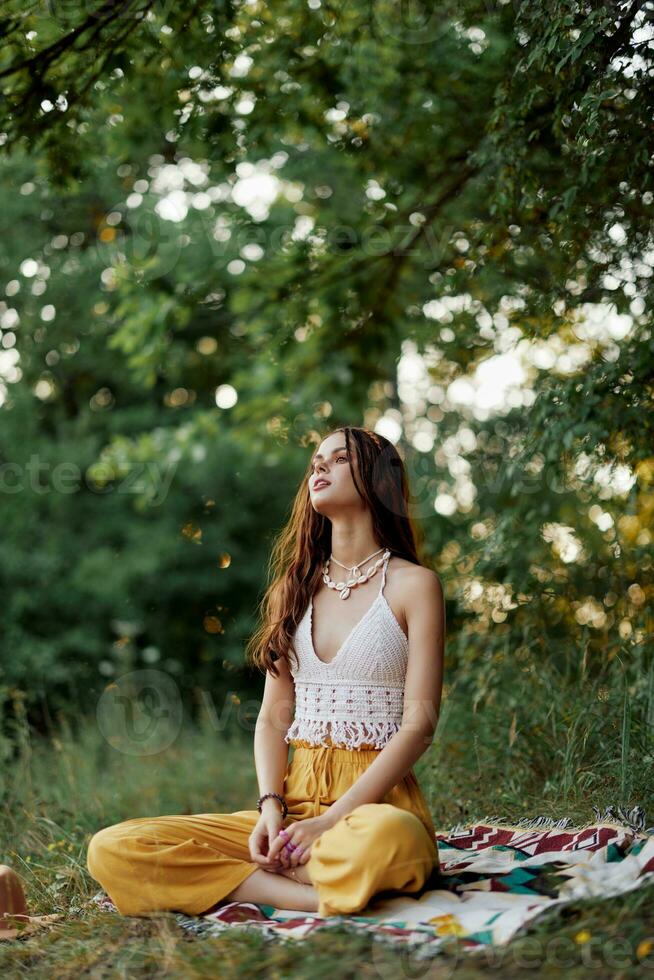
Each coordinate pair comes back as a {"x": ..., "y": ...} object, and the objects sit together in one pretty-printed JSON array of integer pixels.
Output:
[{"x": 304, "y": 544}]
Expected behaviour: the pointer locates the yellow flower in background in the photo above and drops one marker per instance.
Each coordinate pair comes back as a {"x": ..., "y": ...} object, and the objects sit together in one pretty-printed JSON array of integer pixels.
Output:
[
  {"x": 583, "y": 936},
  {"x": 644, "y": 948}
]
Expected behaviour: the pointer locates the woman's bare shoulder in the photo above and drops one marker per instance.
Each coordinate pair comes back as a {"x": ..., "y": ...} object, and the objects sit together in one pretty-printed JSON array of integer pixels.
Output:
[
  {"x": 402, "y": 564},
  {"x": 411, "y": 577}
]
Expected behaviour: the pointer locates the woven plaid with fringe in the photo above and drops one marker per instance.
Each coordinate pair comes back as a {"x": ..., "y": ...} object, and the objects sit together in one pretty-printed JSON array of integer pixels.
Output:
[{"x": 494, "y": 878}]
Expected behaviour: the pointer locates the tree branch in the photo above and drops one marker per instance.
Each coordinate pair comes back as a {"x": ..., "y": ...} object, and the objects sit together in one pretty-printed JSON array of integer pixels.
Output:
[{"x": 44, "y": 58}]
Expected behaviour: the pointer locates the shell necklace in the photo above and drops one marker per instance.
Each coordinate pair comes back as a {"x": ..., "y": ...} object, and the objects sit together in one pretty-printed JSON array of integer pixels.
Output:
[{"x": 356, "y": 577}]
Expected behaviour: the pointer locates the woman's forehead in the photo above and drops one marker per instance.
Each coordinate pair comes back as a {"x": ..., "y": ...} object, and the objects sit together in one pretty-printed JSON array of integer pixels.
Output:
[{"x": 330, "y": 445}]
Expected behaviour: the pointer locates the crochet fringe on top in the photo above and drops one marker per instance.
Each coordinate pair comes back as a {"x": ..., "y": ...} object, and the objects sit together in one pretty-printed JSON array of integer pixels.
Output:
[{"x": 350, "y": 734}]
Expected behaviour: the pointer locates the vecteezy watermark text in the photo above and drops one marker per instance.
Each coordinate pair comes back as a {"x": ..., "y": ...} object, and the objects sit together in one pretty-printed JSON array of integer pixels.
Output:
[{"x": 40, "y": 476}]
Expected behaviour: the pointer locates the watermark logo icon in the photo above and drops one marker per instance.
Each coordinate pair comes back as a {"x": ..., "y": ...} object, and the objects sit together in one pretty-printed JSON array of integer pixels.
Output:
[{"x": 141, "y": 712}]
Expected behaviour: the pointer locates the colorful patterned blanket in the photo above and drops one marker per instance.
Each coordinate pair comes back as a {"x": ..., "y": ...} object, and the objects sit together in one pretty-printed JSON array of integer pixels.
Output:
[{"x": 493, "y": 879}]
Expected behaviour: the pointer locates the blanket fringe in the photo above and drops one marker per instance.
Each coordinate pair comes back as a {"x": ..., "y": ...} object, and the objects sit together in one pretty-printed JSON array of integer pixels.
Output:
[{"x": 634, "y": 819}]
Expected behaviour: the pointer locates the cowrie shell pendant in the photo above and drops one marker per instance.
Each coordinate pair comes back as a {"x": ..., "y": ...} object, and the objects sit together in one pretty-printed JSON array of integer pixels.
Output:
[{"x": 358, "y": 577}]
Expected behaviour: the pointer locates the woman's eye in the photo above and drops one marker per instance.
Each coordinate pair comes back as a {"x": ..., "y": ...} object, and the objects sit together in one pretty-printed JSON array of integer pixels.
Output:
[{"x": 337, "y": 458}]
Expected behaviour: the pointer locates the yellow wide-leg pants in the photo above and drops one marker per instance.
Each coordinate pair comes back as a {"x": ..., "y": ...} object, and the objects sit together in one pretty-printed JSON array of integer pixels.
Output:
[{"x": 188, "y": 863}]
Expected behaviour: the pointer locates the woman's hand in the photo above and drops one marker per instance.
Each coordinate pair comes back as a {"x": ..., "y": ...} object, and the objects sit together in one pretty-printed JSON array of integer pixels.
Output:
[
  {"x": 302, "y": 834},
  {"x": 261, "y": 838}
]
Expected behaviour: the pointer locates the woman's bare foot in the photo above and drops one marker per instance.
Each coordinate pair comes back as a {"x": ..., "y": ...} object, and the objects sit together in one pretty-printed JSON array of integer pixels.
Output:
[{"x": 280, "y": 890}]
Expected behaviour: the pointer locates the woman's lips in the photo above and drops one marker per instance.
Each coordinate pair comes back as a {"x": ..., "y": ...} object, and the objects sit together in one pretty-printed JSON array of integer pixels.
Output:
[{"x": 321, "y": 485}]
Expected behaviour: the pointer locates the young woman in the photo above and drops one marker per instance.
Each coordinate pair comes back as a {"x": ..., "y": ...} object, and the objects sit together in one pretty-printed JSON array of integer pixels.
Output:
[{"x": 351, "y": 637}]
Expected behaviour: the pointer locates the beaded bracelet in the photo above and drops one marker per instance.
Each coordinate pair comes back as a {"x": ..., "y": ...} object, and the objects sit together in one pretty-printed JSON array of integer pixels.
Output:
[{"x": 278, "y": 797}]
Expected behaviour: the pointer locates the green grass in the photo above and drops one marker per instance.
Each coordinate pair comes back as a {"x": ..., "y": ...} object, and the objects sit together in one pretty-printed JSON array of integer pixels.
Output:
[{"x": 57, "y": 792}]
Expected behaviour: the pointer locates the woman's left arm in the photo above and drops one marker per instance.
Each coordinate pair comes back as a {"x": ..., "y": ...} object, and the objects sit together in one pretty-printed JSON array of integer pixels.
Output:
[{"x": 425, "y": 614}]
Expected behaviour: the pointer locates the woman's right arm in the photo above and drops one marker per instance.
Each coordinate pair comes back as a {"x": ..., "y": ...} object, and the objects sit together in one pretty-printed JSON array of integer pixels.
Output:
[
  {"x": 271, "y": 756},
  {"x": 275, "y": 716}
]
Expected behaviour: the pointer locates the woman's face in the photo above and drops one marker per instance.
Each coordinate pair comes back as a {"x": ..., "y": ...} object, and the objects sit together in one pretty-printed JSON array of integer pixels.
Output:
[{"x": 330, "y": 482}]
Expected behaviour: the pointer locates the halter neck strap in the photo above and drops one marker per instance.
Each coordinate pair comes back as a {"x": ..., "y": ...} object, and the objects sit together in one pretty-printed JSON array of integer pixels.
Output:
[{"x": 383, "y": 577}]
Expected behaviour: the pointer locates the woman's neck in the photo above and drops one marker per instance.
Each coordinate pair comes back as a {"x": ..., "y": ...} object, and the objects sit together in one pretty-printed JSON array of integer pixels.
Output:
[{"x": 352, "y": 545}]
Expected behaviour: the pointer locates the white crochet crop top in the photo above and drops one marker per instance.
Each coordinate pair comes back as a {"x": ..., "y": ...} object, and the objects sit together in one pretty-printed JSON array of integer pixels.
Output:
[{"x": 356, "y": 698}]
